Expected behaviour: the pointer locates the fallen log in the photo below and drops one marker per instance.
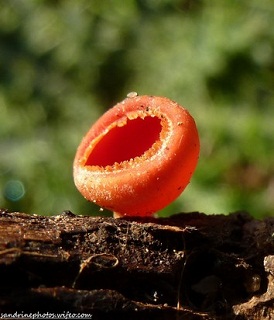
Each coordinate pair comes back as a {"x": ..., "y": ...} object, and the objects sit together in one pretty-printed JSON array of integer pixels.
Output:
[{"x": 188, "y": 266}]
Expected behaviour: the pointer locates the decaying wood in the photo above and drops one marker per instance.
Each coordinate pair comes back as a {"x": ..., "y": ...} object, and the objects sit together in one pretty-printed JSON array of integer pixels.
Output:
[{"x": 189, "y": 266}]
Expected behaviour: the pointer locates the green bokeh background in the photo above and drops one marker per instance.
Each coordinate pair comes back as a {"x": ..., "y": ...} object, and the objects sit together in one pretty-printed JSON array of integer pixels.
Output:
[{"x": 63, "y": 63}]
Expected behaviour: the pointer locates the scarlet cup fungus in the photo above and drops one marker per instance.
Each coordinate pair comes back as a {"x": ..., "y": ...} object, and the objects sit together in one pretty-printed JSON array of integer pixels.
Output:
[{"x": 138, "y": 157}]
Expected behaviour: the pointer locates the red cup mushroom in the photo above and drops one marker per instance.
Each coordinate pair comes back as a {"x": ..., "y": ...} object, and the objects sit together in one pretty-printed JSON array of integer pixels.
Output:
[{"x": 138, "y": 157}]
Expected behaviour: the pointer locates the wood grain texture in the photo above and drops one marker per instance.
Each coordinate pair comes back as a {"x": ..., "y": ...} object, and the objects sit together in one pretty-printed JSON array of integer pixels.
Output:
[{"x": 189, "y": 266}]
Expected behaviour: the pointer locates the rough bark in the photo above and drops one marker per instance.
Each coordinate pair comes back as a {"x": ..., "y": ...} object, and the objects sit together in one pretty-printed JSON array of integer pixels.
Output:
[{"x": 189, "y": 266}]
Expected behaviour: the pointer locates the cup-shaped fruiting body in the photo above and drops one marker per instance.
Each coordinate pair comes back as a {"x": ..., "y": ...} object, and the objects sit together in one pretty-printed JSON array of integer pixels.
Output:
[{"x": 138, "y": 157}]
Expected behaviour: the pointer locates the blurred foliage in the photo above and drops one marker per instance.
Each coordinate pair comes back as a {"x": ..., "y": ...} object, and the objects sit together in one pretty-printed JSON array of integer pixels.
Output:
[{"x": 62, "y": 63}]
